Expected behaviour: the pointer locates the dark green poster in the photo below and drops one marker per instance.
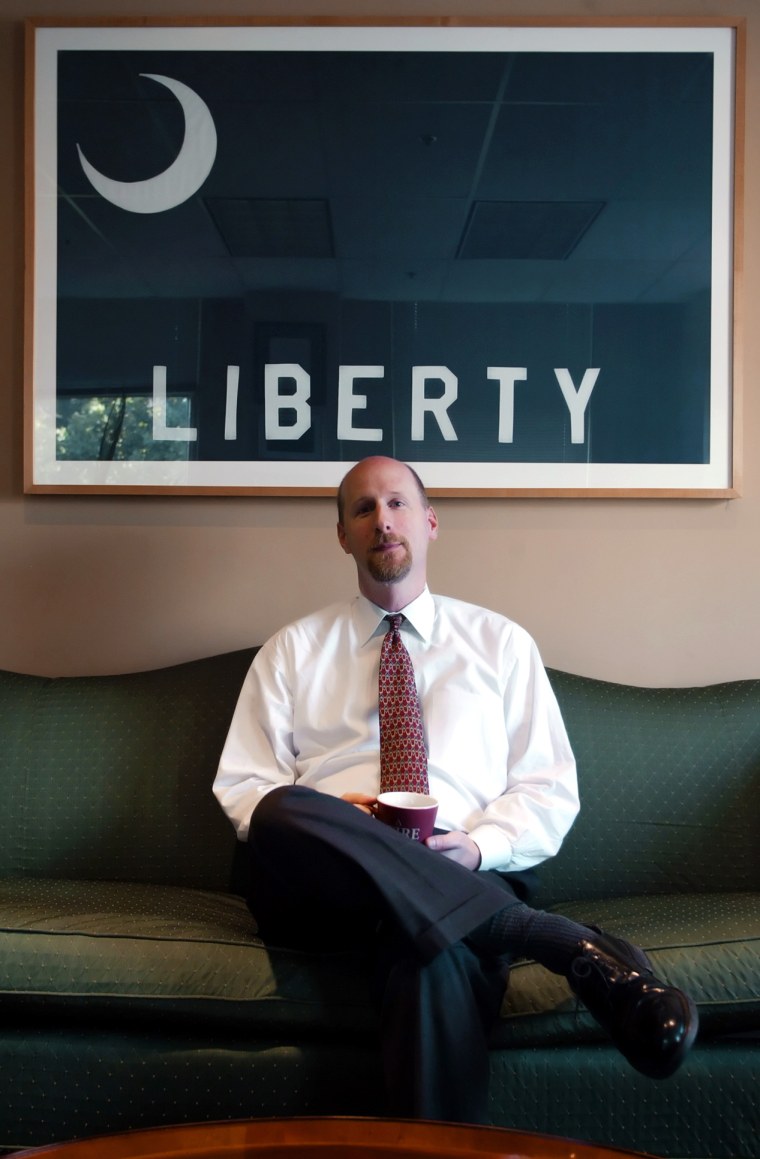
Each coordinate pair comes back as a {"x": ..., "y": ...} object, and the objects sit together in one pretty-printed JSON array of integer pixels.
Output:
[{"x": 503, "y": 254}]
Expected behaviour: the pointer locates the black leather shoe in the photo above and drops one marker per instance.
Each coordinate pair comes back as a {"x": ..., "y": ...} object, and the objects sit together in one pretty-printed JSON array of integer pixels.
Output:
[{"x": 653, "y": 1025}]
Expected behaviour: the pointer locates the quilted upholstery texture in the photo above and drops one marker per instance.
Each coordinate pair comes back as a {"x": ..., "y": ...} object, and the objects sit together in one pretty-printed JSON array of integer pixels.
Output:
[
  {"x": 674, "y": 773},
  {"x": 67, "y": 1081},
  {"x": 108, "y": 777},
  {"x": 115, "y": 950},
  {"x": 119, "y": 950},
  {"x": 134, "y": 990},
  {"x": 709, "y": 1110}
]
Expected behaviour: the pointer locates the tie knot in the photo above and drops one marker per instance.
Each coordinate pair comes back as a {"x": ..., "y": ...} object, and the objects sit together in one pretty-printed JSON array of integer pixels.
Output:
[{"x": 394, "y": 622}]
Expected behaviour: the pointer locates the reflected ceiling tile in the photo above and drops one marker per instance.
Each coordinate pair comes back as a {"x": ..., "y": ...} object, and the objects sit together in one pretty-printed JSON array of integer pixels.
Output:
[
  {"x": 526, "y": 230},
  {"x": 273, "y": 227}
]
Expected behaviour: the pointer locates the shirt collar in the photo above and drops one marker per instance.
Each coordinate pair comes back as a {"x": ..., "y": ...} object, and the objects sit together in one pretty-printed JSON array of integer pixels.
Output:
[{"x": 420, "y": 614}]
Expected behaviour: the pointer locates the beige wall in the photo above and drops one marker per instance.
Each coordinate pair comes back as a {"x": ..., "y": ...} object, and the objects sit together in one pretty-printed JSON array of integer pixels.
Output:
[{"x": 650, "y": 591}]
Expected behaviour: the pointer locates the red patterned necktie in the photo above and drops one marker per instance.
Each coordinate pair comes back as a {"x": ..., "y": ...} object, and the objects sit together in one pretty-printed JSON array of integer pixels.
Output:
[{"x": 403, "y": 759}]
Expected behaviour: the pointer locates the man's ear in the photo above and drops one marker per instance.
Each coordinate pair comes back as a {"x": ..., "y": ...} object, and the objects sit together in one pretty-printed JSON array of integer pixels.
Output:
[
  {"x": 432, "y": 519},
  {"x": 342, "y": 538}
]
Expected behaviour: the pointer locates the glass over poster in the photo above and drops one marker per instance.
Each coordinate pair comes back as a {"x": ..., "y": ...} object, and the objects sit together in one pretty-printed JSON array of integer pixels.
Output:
[{"x": 502, "y": 253}]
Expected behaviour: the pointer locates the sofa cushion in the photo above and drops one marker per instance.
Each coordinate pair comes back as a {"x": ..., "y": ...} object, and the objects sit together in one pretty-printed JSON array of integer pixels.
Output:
[
  {"x": 113, "y": 950},
  {"x": 129, "y": 951}
]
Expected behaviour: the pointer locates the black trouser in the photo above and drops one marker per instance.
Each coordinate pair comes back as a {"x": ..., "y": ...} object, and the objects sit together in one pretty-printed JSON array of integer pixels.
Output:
[{"x": 325, "y": 873}]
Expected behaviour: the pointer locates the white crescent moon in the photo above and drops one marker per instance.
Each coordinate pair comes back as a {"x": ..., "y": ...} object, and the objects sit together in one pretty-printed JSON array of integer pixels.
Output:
[{"x": 186, "y": 173}]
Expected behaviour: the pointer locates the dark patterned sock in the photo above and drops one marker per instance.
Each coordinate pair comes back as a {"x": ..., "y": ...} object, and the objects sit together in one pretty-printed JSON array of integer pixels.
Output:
[{"x": 522, "y": 932}]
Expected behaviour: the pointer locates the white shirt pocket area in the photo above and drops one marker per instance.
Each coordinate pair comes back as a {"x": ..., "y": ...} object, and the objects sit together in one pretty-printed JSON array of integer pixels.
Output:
[{"x": 468, "y": 752}]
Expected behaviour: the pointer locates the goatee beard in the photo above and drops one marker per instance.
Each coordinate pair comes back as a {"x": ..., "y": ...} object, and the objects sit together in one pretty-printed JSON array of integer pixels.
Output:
[{"x": 390, "y": 569}]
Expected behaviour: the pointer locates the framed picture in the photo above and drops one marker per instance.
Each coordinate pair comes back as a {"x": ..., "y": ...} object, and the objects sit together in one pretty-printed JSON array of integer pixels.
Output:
[{"x": 504, "y": 253}]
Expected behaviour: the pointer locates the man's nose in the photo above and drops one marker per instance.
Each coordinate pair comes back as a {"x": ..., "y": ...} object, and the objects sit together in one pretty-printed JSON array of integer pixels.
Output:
[{"x": 382, "y": 518}]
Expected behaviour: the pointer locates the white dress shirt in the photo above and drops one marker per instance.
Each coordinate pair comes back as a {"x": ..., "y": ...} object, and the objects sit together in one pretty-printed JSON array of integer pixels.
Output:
[{"x": 500, "y": 762}]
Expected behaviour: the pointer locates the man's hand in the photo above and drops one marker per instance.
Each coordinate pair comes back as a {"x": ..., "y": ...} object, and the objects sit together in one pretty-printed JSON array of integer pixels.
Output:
[
  {"x": 362, "y": 801},
  {"x": 457, "y": 847}
]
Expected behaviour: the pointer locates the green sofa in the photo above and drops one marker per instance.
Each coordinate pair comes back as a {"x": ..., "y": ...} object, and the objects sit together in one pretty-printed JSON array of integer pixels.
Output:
[{"x": 134, "y": 991}]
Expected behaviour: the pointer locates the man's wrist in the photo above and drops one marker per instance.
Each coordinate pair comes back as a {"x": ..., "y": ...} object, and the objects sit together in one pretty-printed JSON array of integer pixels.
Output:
[{"x": 495, "y": 849}]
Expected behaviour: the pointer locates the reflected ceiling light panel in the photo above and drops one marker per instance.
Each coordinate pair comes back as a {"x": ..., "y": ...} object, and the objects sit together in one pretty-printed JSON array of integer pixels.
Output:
[
  {"x": 526, "y": 230},
  {"x": 273, "y": 227}
]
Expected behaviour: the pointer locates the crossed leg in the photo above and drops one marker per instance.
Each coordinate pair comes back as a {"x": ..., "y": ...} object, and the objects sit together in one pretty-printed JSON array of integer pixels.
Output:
[{"x": 324, "y": 873}]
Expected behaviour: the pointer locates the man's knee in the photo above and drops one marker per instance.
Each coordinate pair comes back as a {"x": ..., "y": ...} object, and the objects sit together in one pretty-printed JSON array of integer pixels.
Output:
[{"x": 275, "y": 808}]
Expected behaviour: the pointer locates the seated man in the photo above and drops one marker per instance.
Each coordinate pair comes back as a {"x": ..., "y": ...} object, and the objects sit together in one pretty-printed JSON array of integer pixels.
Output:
[{"x": 308, "y": 751}]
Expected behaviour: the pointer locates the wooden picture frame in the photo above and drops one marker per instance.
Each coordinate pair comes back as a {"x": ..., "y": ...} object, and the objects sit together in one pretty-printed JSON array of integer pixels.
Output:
[{"x": 507, "y": 253}]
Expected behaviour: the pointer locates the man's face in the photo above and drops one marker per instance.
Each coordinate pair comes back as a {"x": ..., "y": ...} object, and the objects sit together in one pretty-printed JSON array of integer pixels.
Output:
[{"x": 386, "y": 526}]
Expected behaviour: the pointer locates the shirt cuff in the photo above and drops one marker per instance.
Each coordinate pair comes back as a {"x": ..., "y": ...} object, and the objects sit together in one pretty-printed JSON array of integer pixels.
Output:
[{"x": 495, "y": 849}]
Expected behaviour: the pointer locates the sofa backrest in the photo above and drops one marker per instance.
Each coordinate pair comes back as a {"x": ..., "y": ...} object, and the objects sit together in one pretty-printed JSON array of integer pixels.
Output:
[
  {"x": 670, "y": 790},
  {"x": 109, "y": 777}
]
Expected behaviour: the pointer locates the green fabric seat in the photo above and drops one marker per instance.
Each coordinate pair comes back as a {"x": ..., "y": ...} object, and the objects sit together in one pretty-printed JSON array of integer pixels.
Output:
[
  {"x": 116, "y": 950},
  {"x": 134, "y": 990}
]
